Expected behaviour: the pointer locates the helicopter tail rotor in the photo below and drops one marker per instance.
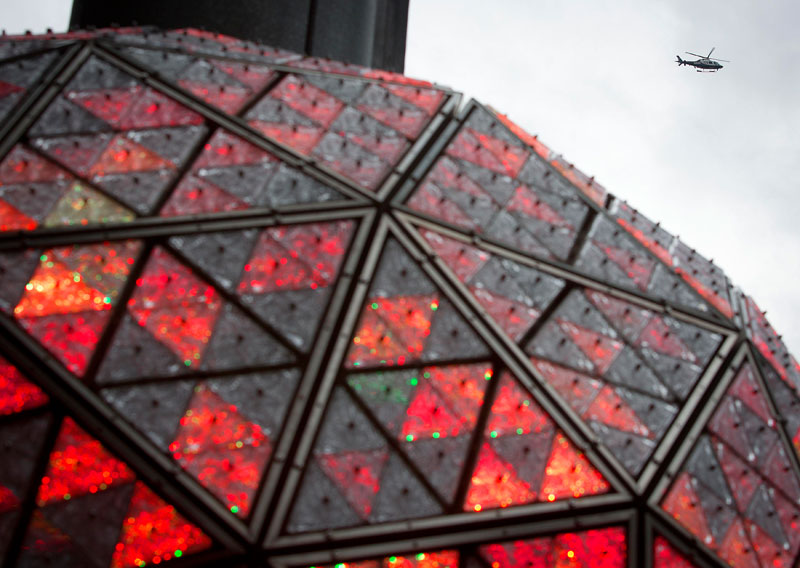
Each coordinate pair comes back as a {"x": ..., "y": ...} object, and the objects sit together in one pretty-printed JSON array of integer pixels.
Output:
[{"x": 680, "y": 61}]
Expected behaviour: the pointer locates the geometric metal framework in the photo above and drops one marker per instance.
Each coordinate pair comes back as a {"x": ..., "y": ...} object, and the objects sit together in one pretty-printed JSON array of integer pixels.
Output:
[{"x": 260, "y": 309}]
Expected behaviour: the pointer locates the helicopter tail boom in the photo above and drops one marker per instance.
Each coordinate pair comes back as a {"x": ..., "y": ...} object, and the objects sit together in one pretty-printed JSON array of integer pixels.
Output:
[{"x": 680, "y": 61}]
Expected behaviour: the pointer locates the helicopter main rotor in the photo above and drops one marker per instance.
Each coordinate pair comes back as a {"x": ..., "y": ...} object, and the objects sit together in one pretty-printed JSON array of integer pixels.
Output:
[{"x": 708, "y": 56}]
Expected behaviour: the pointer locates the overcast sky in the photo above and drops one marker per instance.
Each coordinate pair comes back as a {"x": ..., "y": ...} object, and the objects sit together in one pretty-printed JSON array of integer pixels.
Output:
[{"x": 714, "y": 156}]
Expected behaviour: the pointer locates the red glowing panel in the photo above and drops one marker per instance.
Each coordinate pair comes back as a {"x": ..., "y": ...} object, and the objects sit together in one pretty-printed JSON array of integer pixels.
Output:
[
  {"x": 151, "y": 109},
  {"x": 610, "y": 409},
  {"x": 225, "y": 97},
  {"x": 23, "y": 166},
  {"x": 12, "y": 219},
  {"x": 70, "y": 337},
  {"x": 535, "y": 553},
  {"x": 745, "y": 389},
  {"x": 392, "y": 330},
  {"x": 596, "y": 548},
  {"x": 226, "y": 149},
  {"x": 105, "y": 266},
  {"x": 357, "y": 474},
  {"x": 527, "y": 202},
  {"x": 665, "y": 556},
  {"x": 448, "y": 174},
  {"x": 462, "y": 386},
  {"x": 659, "y": 337},
  {"x": 639, "y": 270},
  {"x": 514, "y": 317},
  {"x": 8, "y": 501},
  {"x": 442, "y": 559},
  {"x": 296, "y": 258},
  {"x": 515, "y": 412},
  {"x": 55, "y": 289},
  {"x": 301, "y": 138},
  {"x": 769, "y": 553},
  {"x": 123, "y": 155},
  {"x": 569, "y": 474},
  {"x": 223, "y": 450},
  {"x": 683, "y": 503},
  {"x": 427, "y": 99},
  {"x": 428, "y": 416},
  {"x": 307, "y": 99},
  {"x": 111, "y": 105},
  {"x": 599, "y": 548},
  {"x": 577, "y": 389},
  {"x": 154, "y": 532},
  {"x": 175, "y": 306},
  {"x": 16, "y": 392},
  {"x": 736, "y": 548},
  {"x": 78, "y": 465},
  {"x": 494, "y": 484},
  {"x": 488, "y": 152},
  {"x": 600, "y": 349},
  {"x": 394, "y": 77},
  {"x": 196, "y": 195},
  {"x": 254, "y": 76},
  {"x": 464, "y": 260}
]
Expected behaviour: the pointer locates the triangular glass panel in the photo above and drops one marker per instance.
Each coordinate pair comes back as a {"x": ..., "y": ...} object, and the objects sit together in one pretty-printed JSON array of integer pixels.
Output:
[
  {"x": 357, "y": 476},
  {"x": 361, "y": 472},
  {"x": 743, "y": 478},
  {"x": 407, "y": 319},
  {"x": 14, "y": 220},
  {"x": 559, "y": 471},
  {"x": 81, "y": 205},
  {"x": 70, "y": 324},
  {"x": 17, "y": 393},
  {"x": 294, "y": 266}
]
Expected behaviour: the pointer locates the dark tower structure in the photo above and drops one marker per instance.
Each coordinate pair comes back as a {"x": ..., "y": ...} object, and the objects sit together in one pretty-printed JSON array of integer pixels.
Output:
[
  {"x": 262, "y": 309},
  {"x": 365, "y": 32}
]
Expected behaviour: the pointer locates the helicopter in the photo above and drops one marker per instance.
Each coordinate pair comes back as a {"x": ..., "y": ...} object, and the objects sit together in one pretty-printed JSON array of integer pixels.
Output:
[{"x": 705, "y": 63}]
